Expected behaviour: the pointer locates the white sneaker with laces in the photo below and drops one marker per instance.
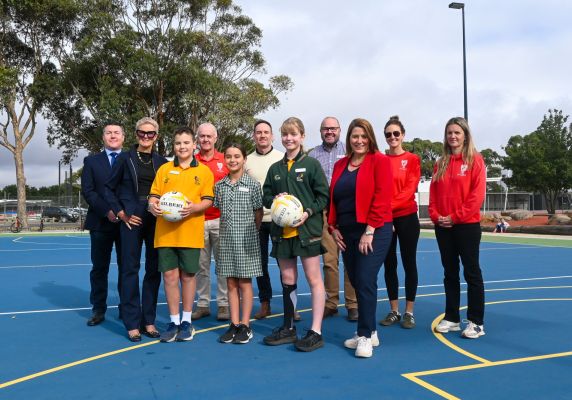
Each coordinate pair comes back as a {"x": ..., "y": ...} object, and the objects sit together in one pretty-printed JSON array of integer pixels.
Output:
[
  {"x": 473, "y": 331},
  {"x": 447, "y": 326},
  {"x": 352, "y": 343},
  {"x": 364, "y": 347}
]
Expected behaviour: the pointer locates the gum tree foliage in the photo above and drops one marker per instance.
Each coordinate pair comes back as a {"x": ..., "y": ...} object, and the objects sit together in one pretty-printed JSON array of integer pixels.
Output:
[
  {"x": 32, "y": 35},
  {"x": 179, "y": 62},
  {"x": 542, "y": 160},
  {"x": 428, "y": 151}
]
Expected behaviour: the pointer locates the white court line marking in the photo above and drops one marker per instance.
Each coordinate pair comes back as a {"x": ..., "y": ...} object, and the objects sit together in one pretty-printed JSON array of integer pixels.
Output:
[
  {"x": 308, "y": 294},
  {"x": 52, "y": 249},
  {"x": 48, "y": 265}
]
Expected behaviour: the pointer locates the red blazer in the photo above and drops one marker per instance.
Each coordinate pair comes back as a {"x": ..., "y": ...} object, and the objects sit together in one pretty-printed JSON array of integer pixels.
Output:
[{"x": 374, "y": 190}]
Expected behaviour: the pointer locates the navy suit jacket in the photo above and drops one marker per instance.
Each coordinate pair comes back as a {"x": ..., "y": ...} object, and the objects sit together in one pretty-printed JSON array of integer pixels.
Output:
[
  {"x": 122, "y": 187},
  {"x": 96, "y": 171}
]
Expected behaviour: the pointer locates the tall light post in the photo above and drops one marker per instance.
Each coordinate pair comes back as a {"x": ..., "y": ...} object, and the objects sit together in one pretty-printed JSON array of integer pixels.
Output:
[{"x": 461, "y": 6}]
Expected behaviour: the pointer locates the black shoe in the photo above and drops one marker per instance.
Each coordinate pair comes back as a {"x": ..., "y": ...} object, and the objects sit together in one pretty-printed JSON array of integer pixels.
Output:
[
  {"x": 243, "y": 335},
  {"x": 330, "y": 312},
  {"x": 353, "y": 314},
  {"x": 281, "y": 335},
  {"x": 150, "y": 334},
  {"x": 310, "y": 342},
  {"x": 228, "y": 336},
  {"x": 96, "y": 319},
  {"x": 136, "y": 337}
]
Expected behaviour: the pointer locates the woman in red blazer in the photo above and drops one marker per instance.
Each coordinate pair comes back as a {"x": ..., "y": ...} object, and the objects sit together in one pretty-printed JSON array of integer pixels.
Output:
[
  {"x": 455, "y": 198},
  {"x": 360, "y": 222}
]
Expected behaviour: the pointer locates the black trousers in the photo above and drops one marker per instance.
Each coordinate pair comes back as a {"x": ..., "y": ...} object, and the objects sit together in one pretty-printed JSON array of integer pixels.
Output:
[
  {"x": 461, "y": 243},
  {"x": 406, "y": 229},
  {"x": 263, "y": 282},
  {"x": 101, "y": 248},
  {"x": 139, "y": 309}
]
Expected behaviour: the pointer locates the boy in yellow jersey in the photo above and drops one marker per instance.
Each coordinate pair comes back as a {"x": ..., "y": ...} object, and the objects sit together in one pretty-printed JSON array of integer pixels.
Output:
[{"x": 179, "y": 243}]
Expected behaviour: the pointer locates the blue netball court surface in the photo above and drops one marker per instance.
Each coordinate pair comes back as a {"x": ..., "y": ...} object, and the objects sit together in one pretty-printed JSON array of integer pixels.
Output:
[{"x": 48, "y": 352}]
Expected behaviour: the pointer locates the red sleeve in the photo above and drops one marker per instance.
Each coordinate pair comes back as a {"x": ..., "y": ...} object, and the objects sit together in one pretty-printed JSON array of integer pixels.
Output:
[
  {"x": 380, "y": 210},
  {"x": 474, "y": 201},
  {"x": 401, "y": 200},
  {"x": 433, "y": 213}
]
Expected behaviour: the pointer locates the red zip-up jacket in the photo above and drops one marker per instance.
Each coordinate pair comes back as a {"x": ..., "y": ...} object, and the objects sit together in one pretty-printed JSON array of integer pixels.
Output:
[
  {"x": 406, "y": 170},
  {"x": 461, "y": 191},
  {"x": 374, "y": 190}
]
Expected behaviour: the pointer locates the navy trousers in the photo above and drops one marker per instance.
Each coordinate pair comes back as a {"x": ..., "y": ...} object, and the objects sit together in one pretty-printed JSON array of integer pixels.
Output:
[
  {"x": 139, "y": 309},
  {"x": 101, "y": 248},
  {"x": 363, "y": 270},
  {"x": 461, "y": 243}
]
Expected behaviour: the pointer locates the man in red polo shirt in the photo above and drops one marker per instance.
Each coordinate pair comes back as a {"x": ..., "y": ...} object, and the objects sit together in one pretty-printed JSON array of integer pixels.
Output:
[{"x": 206, "y": 138}]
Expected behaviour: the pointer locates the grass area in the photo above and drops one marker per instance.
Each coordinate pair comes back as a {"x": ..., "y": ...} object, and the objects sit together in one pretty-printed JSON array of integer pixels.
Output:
[{"x": 538, "y": 240}]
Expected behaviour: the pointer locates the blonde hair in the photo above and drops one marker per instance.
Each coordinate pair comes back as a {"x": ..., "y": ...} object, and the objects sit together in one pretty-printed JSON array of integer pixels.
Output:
[
  {"x": 293, "y": 121},
  {"x": 468, "y": 152},
  {"x": 147, "y": 120}
]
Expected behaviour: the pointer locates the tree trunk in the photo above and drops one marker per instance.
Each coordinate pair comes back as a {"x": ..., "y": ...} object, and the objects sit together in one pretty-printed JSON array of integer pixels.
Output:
[
  {"x": 550, "y": 198},
  {"x": 21, "y": 183}
]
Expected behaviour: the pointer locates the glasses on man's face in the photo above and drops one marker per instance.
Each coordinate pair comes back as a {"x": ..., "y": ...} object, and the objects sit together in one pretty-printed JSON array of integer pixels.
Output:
[
  {"x": 394, "y": 133},
  {"x": 330, "y": 128},
  {"x": 142, "y": 134}
]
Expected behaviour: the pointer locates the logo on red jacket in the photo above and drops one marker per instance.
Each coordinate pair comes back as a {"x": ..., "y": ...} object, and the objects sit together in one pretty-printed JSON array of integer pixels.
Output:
[
  {"x": 403, "y": 164},
  {"x": 464, "y": 168}
]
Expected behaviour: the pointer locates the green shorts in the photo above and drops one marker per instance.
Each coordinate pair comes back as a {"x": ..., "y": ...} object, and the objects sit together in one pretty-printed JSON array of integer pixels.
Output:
[
  {"x": 185, "y": 258},
  {"x": 292, "y": 248}
]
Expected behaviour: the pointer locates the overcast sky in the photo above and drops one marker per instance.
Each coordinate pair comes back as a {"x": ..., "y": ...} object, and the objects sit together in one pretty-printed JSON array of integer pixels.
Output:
[{"x": 374, "y": 59}]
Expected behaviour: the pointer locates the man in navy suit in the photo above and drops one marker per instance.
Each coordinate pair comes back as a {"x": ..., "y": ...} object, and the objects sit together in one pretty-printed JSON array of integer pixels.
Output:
[{"x": 101, "y": 221}]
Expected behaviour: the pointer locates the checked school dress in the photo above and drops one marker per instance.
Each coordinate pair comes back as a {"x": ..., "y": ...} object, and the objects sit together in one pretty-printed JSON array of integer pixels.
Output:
[{"x": 239, "y": 248}]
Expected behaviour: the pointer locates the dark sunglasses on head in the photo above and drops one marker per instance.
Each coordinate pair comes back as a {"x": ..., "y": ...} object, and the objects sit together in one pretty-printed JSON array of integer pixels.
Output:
[
  {"x": 141, "y": 134},
  {"x": 394, "y": 133}
]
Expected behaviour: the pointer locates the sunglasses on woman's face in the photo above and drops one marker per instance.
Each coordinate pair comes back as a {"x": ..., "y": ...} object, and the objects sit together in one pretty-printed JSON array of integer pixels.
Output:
[
  {"x": 394, "y": 133},
  {"x": 142, "y": 134}
]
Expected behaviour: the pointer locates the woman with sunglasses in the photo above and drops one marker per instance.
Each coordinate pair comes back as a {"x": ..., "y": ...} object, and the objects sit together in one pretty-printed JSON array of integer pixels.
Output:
[
  {"x": 456, "y": 195},
  {"x": 406, "y": 169},
  {"x": 359, "y": 220},
  {"x": 126, "y": 191}
]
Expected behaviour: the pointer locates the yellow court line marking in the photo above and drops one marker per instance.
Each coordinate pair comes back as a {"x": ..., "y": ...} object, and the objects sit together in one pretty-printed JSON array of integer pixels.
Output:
[
  {"x": 136, "y": 347},
  {"x": 483, "y": 363},
  {"x": 115, "y": 352}
]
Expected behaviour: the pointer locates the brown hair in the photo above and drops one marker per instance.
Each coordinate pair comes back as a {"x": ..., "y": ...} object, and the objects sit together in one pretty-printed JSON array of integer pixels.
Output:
[
  {"x": 394, "y": 120},
  {"x": 369, "y": 133},
  {"x": 468, "y": 152}
]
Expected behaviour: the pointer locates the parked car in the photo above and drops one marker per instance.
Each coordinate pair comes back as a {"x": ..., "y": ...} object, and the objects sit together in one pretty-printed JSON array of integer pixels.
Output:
[{"x": 60, "y": 214}]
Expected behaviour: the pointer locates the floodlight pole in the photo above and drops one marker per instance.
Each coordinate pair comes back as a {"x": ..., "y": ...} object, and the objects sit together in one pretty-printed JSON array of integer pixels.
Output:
[{"x": 461, "y": 6}]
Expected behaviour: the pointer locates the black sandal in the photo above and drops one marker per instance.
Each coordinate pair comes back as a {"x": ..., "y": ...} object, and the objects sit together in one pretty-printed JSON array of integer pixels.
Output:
[
  {"x": 151, "y": 334},
  {"x": 136, "y": 337}
]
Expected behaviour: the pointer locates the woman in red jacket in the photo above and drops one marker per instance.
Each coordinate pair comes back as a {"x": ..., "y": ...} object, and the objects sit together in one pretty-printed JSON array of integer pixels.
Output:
[
  {"x": 456, "y": 195},
  {"x": 406, "y": 169},
  {"x": 360, "y": 222}
]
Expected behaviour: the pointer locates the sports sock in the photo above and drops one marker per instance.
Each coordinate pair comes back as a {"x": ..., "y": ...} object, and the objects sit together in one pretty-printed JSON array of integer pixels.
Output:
[
  {"x": 176, "y": 319},
  {"x": 289, "y": 298},
  {"x": 186, "y": 316}
]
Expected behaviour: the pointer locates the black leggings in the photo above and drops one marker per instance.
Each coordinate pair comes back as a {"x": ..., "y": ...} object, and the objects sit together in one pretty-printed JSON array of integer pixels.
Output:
[{"x": 407, "y": 231}]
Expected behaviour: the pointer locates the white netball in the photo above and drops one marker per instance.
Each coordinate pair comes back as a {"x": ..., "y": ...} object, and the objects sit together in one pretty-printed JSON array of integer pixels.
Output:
[
  {"x": 286, "y": 210},
  {"x": 171, "y": 203}
]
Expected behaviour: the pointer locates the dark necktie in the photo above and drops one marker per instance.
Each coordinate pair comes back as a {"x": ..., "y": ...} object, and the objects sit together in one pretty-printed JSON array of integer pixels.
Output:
[{"x": 113, "y": 157}]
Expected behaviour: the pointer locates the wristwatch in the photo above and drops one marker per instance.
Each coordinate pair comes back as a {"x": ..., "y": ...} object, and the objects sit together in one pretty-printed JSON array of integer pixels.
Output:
[{"x": 369, "y": 233}]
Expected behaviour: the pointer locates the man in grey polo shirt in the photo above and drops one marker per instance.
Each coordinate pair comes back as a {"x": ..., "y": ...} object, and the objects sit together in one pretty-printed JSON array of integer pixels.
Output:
[{"x": 330, "y": 151}]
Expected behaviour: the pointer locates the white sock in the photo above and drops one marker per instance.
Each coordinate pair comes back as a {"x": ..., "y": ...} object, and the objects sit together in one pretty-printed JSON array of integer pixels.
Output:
[
  {"x": 187, "y": 316},
  {"x": 176, "y": 319}
]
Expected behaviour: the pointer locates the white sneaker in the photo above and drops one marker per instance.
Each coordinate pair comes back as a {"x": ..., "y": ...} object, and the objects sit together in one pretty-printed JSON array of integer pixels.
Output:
[
  {"x": 352, "y": 343},
  {"x": 364, "y": 347},
  {"x": 447, "y": 326},
  {"x": 473, "y": 331}
]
